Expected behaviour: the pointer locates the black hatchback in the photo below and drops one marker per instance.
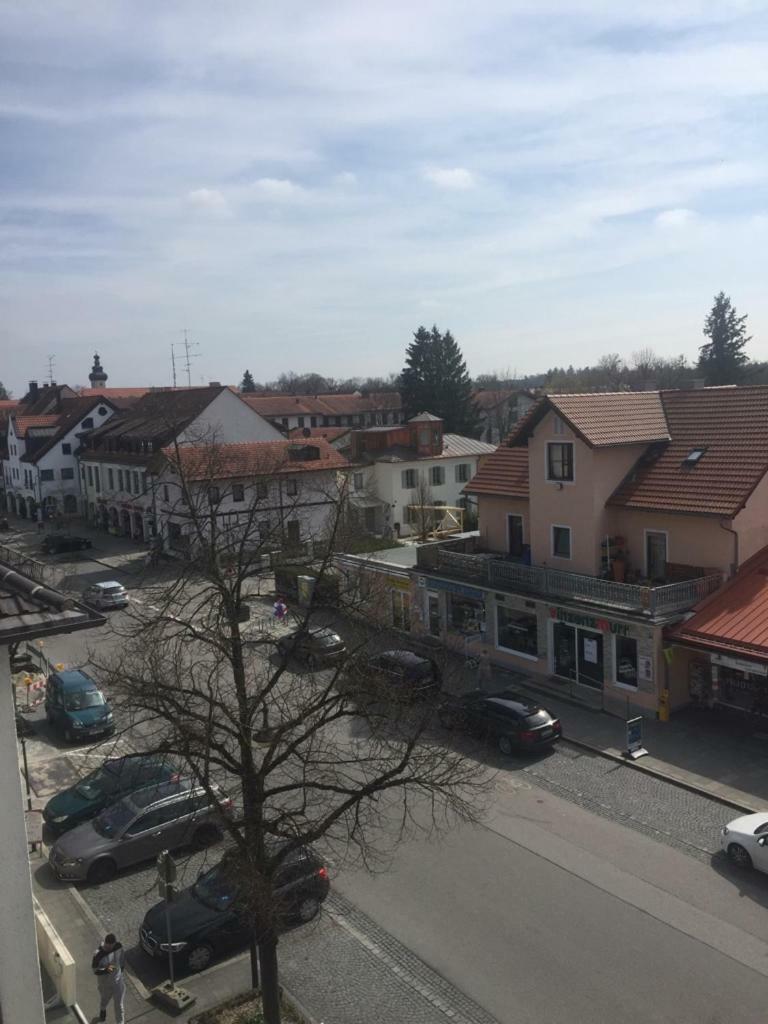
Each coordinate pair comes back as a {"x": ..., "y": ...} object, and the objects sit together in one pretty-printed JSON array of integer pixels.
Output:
[
  {"x": 206, "y": 923},
  {"x": 408, "y": 675},
  {"x": 516, "y": 723},
  {"x": 56, "y": 543}
]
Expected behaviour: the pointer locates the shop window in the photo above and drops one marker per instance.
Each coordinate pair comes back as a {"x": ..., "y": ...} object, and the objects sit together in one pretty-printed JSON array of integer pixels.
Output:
[
  {"x": 626, "y": 661},
  {"x": 559, "y": 460},
  {"x": 401, "y": 610},
  {"x": 561, "y": 541},
  {"x": 517, "y": 631},
  {"x": 433, "y": 614},
  {"x": 466, "y": 614}
]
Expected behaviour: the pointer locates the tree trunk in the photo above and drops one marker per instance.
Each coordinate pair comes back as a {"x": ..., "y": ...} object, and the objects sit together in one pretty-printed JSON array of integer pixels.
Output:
[
  {"x": 270, "y": 983},
  {"x": 253, "y": 949}
]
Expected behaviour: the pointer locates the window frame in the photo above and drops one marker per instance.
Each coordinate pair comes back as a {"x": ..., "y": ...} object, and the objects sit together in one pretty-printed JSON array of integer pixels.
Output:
[
  {"x": 550, "y": 445},
  {"x": 501, "y": 608},
  {"x": 436, "y": 476},
  {"x": 408, "y": 474},
  {"x": 561, "y": 526}
]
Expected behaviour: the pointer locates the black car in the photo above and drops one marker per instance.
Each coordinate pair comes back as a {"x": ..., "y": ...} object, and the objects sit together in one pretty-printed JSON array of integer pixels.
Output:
[
  {"x": 55, "y": 543},
  {"x": 403, "y": 674},
  {"x": 206, "y": 922},
  {"x": 314, "y": 646},
  {"x": 512, "y": 720},
  {"x": 105, "y": 785}
]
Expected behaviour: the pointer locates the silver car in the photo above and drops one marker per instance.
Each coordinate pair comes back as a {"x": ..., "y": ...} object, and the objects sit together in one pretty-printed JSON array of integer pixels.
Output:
[
  {"x": 137, "y": 828},
  {"x": 104, "y": 596}
]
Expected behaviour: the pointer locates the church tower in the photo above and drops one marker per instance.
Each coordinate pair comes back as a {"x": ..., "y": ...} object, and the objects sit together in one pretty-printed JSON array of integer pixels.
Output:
[{"x": 97, "y": 376}]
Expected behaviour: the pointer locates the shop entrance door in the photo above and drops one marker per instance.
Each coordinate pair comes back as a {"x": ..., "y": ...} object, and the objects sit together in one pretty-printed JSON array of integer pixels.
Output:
[
  {"x": 564, "y": 650},
  {"x": 591, "y": 659},
  {"x": 578, "y": 655}
]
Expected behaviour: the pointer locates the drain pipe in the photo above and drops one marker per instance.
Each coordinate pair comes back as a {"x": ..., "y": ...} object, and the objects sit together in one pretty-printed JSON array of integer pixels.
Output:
[{"x": 735, "y": 563}]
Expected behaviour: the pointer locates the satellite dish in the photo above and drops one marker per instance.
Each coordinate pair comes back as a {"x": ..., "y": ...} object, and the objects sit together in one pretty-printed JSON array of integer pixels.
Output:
[{"x": 307, "y": 432}]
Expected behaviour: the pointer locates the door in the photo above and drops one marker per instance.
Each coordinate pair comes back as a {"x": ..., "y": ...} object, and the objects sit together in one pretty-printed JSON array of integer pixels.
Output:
[
  {"x": 590, "y": 658},
  {"x": 515, "y": 535},
  {"x": 655, "y": 555},
  {"x": 147, "y": 835},
  {"x": 564, "y": 650}
]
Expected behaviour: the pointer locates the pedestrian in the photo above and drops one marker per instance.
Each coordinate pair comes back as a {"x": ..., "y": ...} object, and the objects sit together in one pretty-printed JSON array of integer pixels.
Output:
[
  {"x": 280, "y": 609},
  {"x": 108, "y": 965}
]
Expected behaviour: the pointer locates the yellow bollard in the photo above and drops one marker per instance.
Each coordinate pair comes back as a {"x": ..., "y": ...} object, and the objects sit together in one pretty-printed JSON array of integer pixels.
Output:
[{"x": 663, "y": 713}]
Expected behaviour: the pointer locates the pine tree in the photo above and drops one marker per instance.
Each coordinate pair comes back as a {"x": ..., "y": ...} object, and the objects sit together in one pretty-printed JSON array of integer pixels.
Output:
[
  {"x": 722, "y": 359},
  {"x": 247, "y": 384},
  {"x": 435, "y": 379}
]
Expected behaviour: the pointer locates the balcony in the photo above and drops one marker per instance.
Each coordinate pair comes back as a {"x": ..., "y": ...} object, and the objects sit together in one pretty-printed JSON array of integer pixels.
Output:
[{"x": 491, "y": 571}]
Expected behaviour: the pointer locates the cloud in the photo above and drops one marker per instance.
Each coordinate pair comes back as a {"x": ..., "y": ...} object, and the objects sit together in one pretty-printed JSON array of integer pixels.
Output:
[
  {"x": 345, "y": 178},
  {"x": 676, "y": 218},
  {"x": 208, "y": 199},
  {"x": 458, "y": 178},
  {"x": 278, "y": 189}
]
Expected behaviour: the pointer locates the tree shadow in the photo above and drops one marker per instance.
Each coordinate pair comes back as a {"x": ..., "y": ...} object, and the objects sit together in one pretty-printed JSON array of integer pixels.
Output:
[{"x": 749, "y": 883}]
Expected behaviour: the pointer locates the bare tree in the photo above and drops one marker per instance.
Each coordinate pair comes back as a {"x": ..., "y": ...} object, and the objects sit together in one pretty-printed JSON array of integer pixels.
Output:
[{"x": 331, "y": 756}]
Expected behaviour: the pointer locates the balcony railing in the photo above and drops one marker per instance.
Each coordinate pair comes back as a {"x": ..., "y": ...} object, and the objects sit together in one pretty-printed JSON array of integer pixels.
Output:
[{"x": 506, "y": 575}]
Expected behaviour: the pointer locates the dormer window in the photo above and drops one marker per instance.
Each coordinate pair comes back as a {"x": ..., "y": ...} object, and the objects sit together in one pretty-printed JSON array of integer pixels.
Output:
[
  {"x": 558, "y": 427},
  {"x": 692, "y": 458},
  {"x": 560, "y": 461}
]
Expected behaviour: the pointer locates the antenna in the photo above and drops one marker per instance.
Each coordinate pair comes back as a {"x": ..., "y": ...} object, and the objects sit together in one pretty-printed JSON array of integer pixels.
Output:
[
  {"x": 51, "y": 361},
  {"x": 189, "y": 355}
]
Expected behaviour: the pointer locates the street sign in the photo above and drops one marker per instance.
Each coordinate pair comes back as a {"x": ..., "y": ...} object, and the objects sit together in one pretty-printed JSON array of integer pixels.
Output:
[
  {"x": 166, "y": 868},
  {"x": 635, "y": 746}
]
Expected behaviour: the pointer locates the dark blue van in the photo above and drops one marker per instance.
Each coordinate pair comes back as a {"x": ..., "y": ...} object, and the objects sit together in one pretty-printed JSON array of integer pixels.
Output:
[{"x": 76, "y": 707}]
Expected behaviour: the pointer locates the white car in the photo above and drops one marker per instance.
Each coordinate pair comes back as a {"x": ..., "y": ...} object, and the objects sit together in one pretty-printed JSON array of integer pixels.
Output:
[
  {"x": 106, "y": 595},
  {"x": 745, "y": 840}
]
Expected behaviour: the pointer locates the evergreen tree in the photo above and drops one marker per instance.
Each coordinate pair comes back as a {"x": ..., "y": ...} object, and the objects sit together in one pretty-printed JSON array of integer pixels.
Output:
[
  {"x": 5, "y": 394},
  {"x": 722, "y": 359},
  {"x": 248, "y": 384},
  {"x": 435, "y": 379}
]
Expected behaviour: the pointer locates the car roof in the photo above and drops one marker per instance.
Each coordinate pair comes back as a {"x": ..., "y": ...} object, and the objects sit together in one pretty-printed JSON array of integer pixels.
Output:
[
  {"x": 108, "y": 583},
  {"x": 156, "y": 793},
  {"x": 403, "y": 656},
  {"x": 74, "y": 679}
]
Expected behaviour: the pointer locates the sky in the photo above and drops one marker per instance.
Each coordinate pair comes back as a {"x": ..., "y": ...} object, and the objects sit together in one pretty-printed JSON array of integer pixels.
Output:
[{"x": 301, "y": 185}]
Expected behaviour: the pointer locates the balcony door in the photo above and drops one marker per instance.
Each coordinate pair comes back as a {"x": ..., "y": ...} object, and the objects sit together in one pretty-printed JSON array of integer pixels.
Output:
[
  {"x": 655, "y": 554},
  {"x": 515, "y": 535}
]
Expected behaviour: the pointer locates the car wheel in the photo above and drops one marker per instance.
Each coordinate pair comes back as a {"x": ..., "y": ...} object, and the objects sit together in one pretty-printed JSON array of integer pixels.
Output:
[
  {"x": 308, "y": 908},
  {"x": 101, "y": 871},
  {"x": 204, "y": 836},
  {"x": 739, "y": 856},
  {"x": 506, "y": 746},
  {"x": 199, "y": 957}
]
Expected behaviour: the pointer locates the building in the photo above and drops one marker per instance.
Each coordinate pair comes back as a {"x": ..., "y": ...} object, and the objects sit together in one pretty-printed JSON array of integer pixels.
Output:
[
  {"x": 399, "y": 471},
  {"x": 603, "y": 519},
  {"x": 263, "y": 495},
  {"x": 28, "y": 610},
  {"x": 500, "y": 409},
  {"x": 115, "y": 458},
  {"x": 40, "y": 469},
  {"x": 339, "y": 437},
  {"x": 358, "y": 409}
]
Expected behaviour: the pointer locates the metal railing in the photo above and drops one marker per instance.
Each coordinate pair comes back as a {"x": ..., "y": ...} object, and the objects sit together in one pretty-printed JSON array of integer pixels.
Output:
[
  {"x": 30, "y": 567},
  {"x": 515, "y": 576}
]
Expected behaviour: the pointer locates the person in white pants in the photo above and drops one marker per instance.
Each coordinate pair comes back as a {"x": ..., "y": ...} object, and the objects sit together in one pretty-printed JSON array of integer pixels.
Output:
[{"x": 108, "y": 965}]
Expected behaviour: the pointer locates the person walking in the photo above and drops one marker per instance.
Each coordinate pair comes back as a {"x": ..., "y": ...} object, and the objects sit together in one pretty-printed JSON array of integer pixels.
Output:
[{"x": 108, "y": 965}]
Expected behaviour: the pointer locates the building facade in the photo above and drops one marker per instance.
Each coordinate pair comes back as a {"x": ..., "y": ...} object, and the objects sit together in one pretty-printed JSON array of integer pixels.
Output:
[{"x": 358, "y": 409}]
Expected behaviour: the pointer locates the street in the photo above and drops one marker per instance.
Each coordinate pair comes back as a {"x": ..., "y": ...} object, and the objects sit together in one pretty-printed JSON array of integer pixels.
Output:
[{"x": 591, "y": 893}]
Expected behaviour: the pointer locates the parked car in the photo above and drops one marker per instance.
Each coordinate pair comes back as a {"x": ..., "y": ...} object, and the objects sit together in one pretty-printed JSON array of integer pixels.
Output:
[
  {"x": 106, "y": 595},
  {"x": 403, "y": 674},
  {"x": 175, "y": 813},
  {"x": 745, "y": 840},
  {"x": 516, "y": 723},
  {"x": 76, "y": 707},
  {"x": 56, "y": 543},
  {"x": 205, "y": 919},
  {"x": 105, "y": 785},
  {"x": 313, "y": 646}
]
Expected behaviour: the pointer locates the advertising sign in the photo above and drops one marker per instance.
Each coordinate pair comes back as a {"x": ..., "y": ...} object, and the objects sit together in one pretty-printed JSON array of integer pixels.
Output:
[{"x": 635, "y": 746}]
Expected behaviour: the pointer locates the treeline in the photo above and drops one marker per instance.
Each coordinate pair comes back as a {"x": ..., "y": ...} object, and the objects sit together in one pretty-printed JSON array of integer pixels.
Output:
[{"x": 317, "y": 384}]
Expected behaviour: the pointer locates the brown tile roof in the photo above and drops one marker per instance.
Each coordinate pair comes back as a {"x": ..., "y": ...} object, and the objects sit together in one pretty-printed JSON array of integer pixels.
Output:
[
  {"x": 329, "y": 433},
  {"x": 504, "y": 473},
  {"x": 21, "y": 424},
  {"x": 731, "y": 425},
  {"x": 602, "y": 419},
  {"x": 113, "y": 392},
  {"x": 72, "y": 411},
  {"x": 252, "y": 459},
  {"x": 276, "y": 406},
  {"x": 157, "y": 416},
  {"x": 733, "y": 620}
]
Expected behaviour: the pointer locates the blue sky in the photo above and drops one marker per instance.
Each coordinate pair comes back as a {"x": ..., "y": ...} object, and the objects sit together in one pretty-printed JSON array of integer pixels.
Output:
[{"x": 301, "y": 185}]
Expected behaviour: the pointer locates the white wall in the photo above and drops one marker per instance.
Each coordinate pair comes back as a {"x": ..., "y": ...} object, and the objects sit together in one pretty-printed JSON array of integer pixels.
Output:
[
  {"x": 227, "y": 420},
  {"x": 21, "y": 994},
  {"x": 387, "y": 481}
]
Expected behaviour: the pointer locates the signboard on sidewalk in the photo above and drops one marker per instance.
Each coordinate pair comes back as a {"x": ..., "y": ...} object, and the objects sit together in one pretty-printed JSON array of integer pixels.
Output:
[{"x": 635, "y": 746}]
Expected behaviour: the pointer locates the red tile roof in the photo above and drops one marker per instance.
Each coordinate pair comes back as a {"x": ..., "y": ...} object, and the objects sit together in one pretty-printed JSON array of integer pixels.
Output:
[
  {"x": 602, "y": 419},
  {"x": 252, "y": 459},
  {"x": 733, "y": 620},
  {"x": 329, "y": 433},
  {"x": 113, "y": 392},
  {"x": 731, "y": 426},
  {"x": 21, "y": 424},
  {"x": 503, "y": 473},
  {"x": 323, "y": 405}
]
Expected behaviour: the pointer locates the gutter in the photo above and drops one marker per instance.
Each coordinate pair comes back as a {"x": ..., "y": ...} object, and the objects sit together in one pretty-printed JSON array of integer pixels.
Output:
[{"x": 735, "y": 562}]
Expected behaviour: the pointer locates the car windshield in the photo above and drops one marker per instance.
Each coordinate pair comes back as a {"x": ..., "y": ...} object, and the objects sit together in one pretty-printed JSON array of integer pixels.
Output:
[
  {"x": 214, "y": 889},
  {"x": 537, "y": 718},
  {"x": 114, "y": 819},
  {"x": 111, "y": 590},
  {"x": 76, "y": 700},
  {"x": 99, "y": 783}
]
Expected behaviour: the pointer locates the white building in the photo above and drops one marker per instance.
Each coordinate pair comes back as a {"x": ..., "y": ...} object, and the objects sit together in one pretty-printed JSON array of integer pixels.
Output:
[
  {"x": 115, "y": 460},
  {"x": 41, "y": 469},
  {"x": 410, "y": 465},
  {"x": 356, "y": 409}
]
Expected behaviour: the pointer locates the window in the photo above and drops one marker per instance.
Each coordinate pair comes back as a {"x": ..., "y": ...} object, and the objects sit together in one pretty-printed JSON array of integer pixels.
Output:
[
  {"x": 120, "y": 480},
  {"x": 90, "y": 476},
  {"x": 462, "y": 472},
  {"x": 87, "y": 423},
  {"x": 165, "y": 493},
  {"x": 111, "y": 479},
  {"x": 284, "y": 421},
  {"x": 136, "y": 481},
  {"x": 128, "y": 480},
  {"x": 66, "y": 449},
  {"x": 292, "y": 487},
  {"x": 558, "y": 427},
  {"x": 433, "y": 613},
  {"x": 561, "y": 541},
  {"x": 401, "y": 609},
  {"x": 517, "y": 631},
  {"x": 293, "y": 532},
  {"x": 692, "y": 458},
  {"x": 264, "y": 529},
  {"x": 214, "y": 495},
  {"x": 238, "y": 492},
  {"x": 626, "y": 661},
  {"x": 466, "y": 614},
  {"x": 437, "y": 476},
  {"x": 97, "y": 478},
  {"x": 82, "y": 473},
  {"x": 261, "y": 490},
  {"x": 408, "y": 477},
  {"x": 313, "y": 421},
  {"x": 357, "y": 481},
  {"x": 301, "y": 421},
  {"x": 559, "y": 460},
  {"x": 67, "y": 473},
  {"x": 46, "y": 474},
  {"x": 102, "y": 410}
]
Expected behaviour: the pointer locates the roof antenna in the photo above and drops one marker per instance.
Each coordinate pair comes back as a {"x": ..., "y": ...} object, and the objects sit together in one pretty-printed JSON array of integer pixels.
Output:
[
  {"x": 51, "y": 361},
  {"x": 189, "y": 355}
]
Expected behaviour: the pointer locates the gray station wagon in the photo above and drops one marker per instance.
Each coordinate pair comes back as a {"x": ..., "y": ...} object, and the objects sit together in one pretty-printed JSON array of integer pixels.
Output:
[{"x": 137, "y": 828}]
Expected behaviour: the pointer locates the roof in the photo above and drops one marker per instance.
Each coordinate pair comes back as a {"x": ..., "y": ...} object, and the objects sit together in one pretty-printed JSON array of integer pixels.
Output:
[
  {"x": 735, "y": 618},
  {"x": 21, "y": 424},
  {"x": 425, "y": 417},
  {"x": 504, "y": 473},
  {"x": 158, "y": 415},
  {"x": 602, "y": 419},
  {"x": 455, "y": 446},
  {"x": 73, "y": 410},
  {"x": 730, "y": 425},
  {"x": 28, "y": 609},
  {"x": 252, "y": 459},
  {"x": 489, "y": 398},
  {"x": 114, "y": 392},
  {"x": 329, "y": 433},
  {"x": 278, "y": 405}
]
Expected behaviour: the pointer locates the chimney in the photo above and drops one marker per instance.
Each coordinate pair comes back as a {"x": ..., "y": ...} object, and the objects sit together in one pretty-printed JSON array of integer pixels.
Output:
[
  {"x": 214, "y": 383},
  {"x": 699, "y": 383},
  {"x": 33, "y": 389}
]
